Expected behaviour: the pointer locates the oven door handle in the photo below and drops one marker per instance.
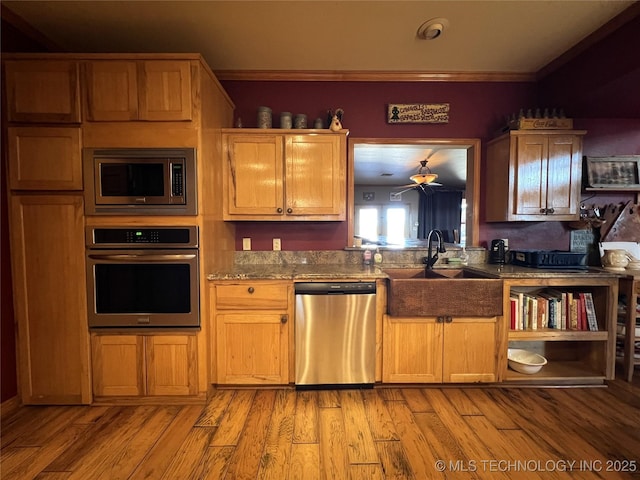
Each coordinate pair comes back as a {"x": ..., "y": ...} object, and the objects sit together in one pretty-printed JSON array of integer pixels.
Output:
[{"x": 128, "y": 257}]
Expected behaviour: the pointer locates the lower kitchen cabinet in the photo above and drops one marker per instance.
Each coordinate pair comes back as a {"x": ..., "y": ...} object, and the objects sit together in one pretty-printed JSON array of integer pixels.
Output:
[
  {"x": 144, "y": 365},
  {"x": 439, "y": 349},
  {"x": 253, "y": 332}
]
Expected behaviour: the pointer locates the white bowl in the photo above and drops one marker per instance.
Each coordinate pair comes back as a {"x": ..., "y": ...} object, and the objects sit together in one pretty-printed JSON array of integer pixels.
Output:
[{"x": 524, "y": 361}]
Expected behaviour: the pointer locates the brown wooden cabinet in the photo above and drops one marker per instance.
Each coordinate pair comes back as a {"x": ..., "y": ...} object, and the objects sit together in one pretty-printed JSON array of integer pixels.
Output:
[
  {"x": 144, "y": 365},
  {"x": 271, "y": 175},
  {"x": 44, "y": 158},
  {"x": 146, "y": 90},
  {"x": 439, "y": 349},
  {"x": 253, "y": 331},
  {"x": 43, "y": 91},
  {"x": 534, "y": 175},
  {"x": 574, "y": 356},
  {"x": 48, "y": 265}
]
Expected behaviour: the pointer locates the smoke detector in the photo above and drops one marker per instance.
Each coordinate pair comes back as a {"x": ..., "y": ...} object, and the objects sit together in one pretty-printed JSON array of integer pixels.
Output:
[{"x": 432, "y": 29}]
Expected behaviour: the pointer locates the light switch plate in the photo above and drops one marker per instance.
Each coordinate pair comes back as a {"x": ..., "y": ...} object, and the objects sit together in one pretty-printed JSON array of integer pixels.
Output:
[
  {"x": 246, "y": 243},
  {"x": 276, "y": 244}
]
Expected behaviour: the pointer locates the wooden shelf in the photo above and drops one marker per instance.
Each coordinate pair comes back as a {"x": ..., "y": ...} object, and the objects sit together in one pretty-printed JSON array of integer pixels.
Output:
[
  {"x": 558, "y": 372},
  {"x": 551, "y": 334}
]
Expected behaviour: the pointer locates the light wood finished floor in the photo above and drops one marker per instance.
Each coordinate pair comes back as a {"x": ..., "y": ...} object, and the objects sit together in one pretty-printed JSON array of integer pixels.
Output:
[{"x": 385, "y": 433}]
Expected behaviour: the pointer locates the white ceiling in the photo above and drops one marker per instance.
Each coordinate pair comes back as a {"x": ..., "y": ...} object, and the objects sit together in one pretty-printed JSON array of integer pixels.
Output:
[
  {"x": 492, "y": 37},
  {"x": 350, "y": 35},
  {"x": 393, "y": 164}
]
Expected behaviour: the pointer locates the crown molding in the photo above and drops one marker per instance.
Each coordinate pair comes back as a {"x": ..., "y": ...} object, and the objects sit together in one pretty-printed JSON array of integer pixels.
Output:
[{"x": 370, "y": 76}]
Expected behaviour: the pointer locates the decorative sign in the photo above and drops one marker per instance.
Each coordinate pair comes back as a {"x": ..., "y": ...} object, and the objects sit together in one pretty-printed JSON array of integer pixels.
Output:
[{"x": 418, "y": 113}]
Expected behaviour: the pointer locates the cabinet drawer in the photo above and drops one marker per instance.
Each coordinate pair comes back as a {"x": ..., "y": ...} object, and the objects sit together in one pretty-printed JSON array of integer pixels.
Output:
[{"x": 252, "y": 295}]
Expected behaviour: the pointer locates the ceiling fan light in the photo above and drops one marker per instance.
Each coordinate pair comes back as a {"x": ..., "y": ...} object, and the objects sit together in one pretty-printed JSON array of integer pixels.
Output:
[{"x": 421, "y": 178}]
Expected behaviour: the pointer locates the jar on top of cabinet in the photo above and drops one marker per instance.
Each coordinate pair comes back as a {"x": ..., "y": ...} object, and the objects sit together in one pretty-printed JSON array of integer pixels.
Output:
[{"x": 264, "y": 117}]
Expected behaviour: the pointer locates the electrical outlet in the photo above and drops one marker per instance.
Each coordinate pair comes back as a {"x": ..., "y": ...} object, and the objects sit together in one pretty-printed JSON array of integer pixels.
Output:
[
  {"x": 246, "y": 243},
  {"x": 276, "y": 244}
]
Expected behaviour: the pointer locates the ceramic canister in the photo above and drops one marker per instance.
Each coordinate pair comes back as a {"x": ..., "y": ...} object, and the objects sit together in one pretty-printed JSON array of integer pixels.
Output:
[
  {"x": 300, "y": 121},
  {"x": 264, "y": 117},
  {"x": 285, "y": 120}
]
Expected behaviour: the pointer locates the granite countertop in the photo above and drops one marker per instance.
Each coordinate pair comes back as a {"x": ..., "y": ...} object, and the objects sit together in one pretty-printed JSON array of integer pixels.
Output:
[
  {"x": 299, "y": 272},
  {"x": 358, "y": 271}
]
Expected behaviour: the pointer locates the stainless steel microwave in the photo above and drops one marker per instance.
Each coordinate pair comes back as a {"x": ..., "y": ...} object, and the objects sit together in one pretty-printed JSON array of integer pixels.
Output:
[{"x": 140, "y": 181}]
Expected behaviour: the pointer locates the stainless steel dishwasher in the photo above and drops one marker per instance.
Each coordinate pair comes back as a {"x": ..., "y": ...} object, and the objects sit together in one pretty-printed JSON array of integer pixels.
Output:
[{"x": 335, "y": 333}]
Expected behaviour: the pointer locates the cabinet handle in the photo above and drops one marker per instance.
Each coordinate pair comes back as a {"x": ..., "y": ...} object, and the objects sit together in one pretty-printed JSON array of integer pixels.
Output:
[
  {"x": 251, "y": 290},
  {"x": 543, "y": 211},
  {"x": 289, "y": 210},
  {"x": 550, "y": 210},
  {"x": 279, "y": 210},
  {"x": 440, "y": 319},
  {"x": 284, "y": 319},
  {"x": 448, "y": 319}
]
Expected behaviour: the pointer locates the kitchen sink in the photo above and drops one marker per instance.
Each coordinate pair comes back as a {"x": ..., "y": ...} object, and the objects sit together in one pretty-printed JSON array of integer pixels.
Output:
[{"x": 418, "y": 292}]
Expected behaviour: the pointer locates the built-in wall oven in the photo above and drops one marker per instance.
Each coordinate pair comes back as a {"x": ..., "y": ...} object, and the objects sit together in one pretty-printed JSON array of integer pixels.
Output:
[{"x": 143, "y": 277}]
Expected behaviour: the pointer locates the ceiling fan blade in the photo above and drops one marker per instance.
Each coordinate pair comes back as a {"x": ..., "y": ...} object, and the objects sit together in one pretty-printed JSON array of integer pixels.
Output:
[{"x": 409, "y": 185}]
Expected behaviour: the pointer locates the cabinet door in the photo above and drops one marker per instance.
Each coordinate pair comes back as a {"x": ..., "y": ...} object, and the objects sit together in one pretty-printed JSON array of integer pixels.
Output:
[
  {"x": 315, "y": 176},
  {"x": 118, "y": 365},
  {"x": 253, "y": 173},
  {"x": 42, "y": 158},
  {"x": 111, "y": 90},
  {"x": 42, "y": 91},
  {"x": 253, "y": 348},
  {"x": 412, "y": 350},
  {"x": 564, "y": 174},
  {"x": 469, "y": 353},
  {"x": 530, "y": 189},
  {"x": 165, "y": 90},
  {"x": 171, "y": 362},
  {"x": 48, "y": 260}
]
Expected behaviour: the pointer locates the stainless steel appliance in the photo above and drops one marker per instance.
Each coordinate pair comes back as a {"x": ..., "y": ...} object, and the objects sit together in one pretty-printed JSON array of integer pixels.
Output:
[
  {"x": 140, "y": 181},
  {"x": 335, "y": 340},
  {"x": 143, "y": 277}
]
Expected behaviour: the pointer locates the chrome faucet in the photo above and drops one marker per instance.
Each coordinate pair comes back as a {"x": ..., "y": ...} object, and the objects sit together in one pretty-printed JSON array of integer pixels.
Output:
[{"x": 431, "y": 259}]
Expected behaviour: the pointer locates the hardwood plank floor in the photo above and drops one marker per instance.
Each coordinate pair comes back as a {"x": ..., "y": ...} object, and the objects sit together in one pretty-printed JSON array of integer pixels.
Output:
[{"x": 384, "y": 433}]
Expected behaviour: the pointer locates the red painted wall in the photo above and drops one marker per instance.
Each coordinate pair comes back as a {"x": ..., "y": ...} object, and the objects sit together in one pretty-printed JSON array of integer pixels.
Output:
[{"x": 476, "y": 111}]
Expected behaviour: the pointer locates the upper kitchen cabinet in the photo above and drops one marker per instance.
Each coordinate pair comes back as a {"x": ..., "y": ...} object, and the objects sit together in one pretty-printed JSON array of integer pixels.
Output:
[
  {"x": 146, "y": 90},
  {"x": 271, "y": 175},
  {"x": 44, "y": 158},
  {"x": 42, "y": 91},
  {"x": 534, "y": 176}
]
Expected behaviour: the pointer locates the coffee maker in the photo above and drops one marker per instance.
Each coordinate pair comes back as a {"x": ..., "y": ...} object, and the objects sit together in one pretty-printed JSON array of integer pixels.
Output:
[{"x": 498, "y": 251}]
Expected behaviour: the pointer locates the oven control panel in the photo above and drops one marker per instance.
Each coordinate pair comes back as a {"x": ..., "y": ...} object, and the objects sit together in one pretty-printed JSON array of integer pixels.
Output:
[{"x": 149, "y": 236}]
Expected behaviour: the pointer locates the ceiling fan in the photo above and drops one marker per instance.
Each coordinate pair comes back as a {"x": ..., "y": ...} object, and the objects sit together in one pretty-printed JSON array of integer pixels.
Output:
[{"x": 425, "y": 178}]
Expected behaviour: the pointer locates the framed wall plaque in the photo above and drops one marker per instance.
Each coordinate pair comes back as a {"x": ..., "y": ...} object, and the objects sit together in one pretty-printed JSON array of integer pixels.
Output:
[
  {"x": 616, "y": 172},
  {"x": 418, "y": 113}
]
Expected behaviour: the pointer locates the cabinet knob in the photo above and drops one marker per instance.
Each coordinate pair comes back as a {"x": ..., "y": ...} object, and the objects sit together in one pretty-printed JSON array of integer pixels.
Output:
[
  {"x": 289, "y": 210},
  {"x": 543, "y": 211},
  {"x": 284, "y": 319},
  {"x": 448, "y": 319},
  {"x": 251, "y": 290},
  {"x": 279, "y": 210},
  {"x": 440, "y": 319},
  {"x": 550, "y": 210}
]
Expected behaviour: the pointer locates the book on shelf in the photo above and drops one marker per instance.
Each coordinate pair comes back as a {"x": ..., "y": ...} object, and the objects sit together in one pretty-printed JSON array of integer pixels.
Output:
[
  {"x": 551, "y": 308},
  {"x": 590, "y": 309}
]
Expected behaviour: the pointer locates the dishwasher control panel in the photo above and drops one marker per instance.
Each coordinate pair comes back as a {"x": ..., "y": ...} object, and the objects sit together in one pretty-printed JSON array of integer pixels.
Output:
[{"x": 329, "y": 288}]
